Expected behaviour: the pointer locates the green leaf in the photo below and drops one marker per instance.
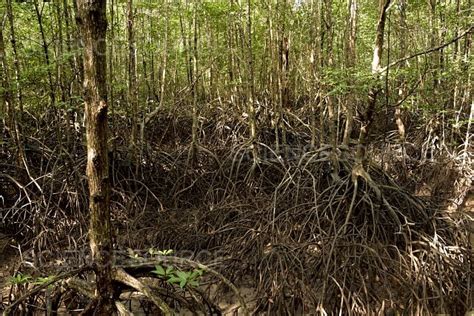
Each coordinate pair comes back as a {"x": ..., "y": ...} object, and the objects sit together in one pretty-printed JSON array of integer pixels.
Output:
[
  {"x": 182, "y": 284},
  {"x": 20, "y": 278},
  {"x": 174, "y": 279},
  {"x": 196, "y": 273},
  {"x": 43, "y": 280},
  {"x": 159, "y": 270},
  {"x": 182, "y": 275},
  {"x": 169, "y": 270}
]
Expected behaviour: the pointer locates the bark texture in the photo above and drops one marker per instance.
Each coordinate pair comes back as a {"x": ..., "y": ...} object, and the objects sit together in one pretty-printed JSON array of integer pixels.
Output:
[{"x": 93, "y": 23}]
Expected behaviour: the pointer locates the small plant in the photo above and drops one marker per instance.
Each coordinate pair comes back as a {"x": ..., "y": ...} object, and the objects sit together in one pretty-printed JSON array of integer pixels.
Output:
[
  {"x": 155, "y": 252},
  {"x": 183, "y": 278},
  {"x": 132, "y": 254},
  {"x": 20, "y": 279},
  {"x": 160, "y": 271},
  {"x": 43, "y": 280}
]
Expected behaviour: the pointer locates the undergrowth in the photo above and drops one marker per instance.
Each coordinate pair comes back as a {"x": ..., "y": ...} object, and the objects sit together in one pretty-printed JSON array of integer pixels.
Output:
[{"x": 293, "y": 224}]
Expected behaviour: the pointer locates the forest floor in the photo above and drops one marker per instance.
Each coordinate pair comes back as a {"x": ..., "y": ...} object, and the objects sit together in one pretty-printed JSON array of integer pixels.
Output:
[
  {"x": 9, "y": 259},
  {"x": 292, "y": 230}
]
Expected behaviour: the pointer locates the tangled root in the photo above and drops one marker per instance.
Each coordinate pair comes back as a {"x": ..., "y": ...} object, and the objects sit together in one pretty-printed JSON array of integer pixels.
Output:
[{"x": 296, "y": 228}]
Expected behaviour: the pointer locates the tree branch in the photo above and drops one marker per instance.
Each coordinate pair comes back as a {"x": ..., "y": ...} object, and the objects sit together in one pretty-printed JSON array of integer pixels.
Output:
[{"x": 401, "y": 60}]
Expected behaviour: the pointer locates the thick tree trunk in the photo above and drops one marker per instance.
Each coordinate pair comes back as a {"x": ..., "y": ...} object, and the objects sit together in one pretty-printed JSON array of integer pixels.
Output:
[{"x": 93, "y": 22}]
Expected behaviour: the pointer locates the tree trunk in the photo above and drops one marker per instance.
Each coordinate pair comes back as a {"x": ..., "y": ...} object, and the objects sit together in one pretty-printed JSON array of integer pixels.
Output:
[
  {"x": 194, "y": 84},
  {"x": 7, "y": 99},
  {"x": 375, "y": 89},
  {"x": 93, "y": 22},
  {"x": 132, "y": 77},
  {"x": 251, "y": 84},
  {"x": 39, "y": 16},
  {"x": 402, "y": 84},
  {"x": 16, "y": 62},
  {"x": 350, "y": 63}
]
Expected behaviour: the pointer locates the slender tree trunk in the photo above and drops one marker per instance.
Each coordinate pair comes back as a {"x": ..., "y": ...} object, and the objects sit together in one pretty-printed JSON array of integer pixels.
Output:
[
  {"x": 315, "y": 67},
  {"x": 60, "y": 52},
  {"x": 7, "y": 99},
  {"x": 39, "y": 16},
  {"x": 375, "y": 89},
  {"x": 251, "y": 83},
  {"x": 231, "y": 57},
  {"x": 194, "y": 84},
  {"x": 433, "y": 42},
  {"x": 283, "y": 92},
  {"x": 72, "y": 42},
  {"x": 402, "y": 83},
  {"x": 77, "y": 46},
  {"x": 93, "y": 22},
  {"x": 111, "y": 59},
  {"x": 132, "y": 76},
  {"x": 326, "y": 61},
  {"x": 16, "y": 62},
  {"x": 350, "y": 62},
  {"x": 164, "y": 59},
  {"x": 4, "y": 105}
]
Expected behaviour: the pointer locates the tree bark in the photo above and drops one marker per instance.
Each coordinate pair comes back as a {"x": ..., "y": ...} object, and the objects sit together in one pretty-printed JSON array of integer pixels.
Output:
[
  {"x": 132, "y": 76},
  {"x": 402, "y": 83},
  {"x": 194, "y": 84},
  {"x": 375, "y": 89},
  {"x": 16, "y": 62},
  {"x": 39, "y": 16},
  {"x": 93, "y": 22},
  {"x": 251, "y": 84},
  {"x": 350, "y": 63},
  {"x": 7, "y": 99}
]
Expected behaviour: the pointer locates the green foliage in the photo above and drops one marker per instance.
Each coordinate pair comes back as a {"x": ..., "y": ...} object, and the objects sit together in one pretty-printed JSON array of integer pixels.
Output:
[
  {"x": 174, "y": 276},
  {"x": 20, "y": 279},
  {"x": 43, "y": 280}
]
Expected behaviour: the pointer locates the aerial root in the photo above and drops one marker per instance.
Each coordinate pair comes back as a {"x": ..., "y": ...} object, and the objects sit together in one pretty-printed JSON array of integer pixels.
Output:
[
  {"x": 120, "y": 275},
  {"x": 175, "y": 260},
  {"x": 299, "y": 229},
  {"x": 43, "y": 286}
]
